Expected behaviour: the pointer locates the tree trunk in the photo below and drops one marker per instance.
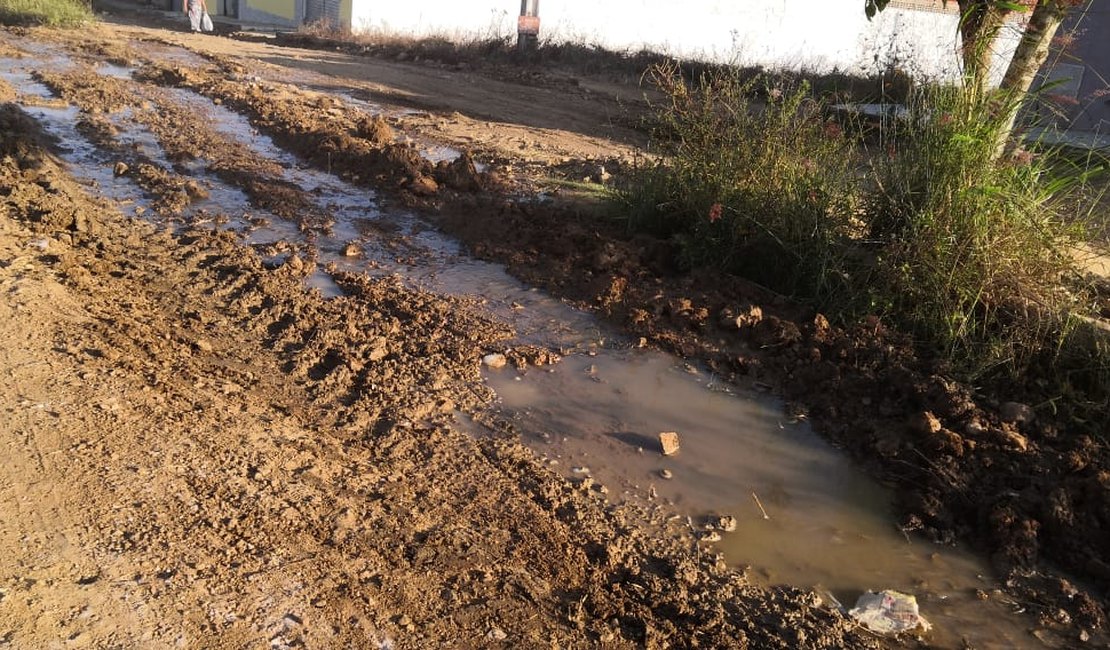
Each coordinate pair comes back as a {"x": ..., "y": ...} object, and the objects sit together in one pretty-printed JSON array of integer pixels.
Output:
[
  {"x": 1031, "y": 53},
  {"x": 980, "y": 22}
]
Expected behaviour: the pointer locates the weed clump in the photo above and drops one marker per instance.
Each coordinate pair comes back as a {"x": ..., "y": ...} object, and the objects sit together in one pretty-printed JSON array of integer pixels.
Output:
[
  {"x": 977, "y": 248},
  {"x": 922, "y": 221},
  {"x": 765, "y": 189},
  {"x": 51, "y": 13}
]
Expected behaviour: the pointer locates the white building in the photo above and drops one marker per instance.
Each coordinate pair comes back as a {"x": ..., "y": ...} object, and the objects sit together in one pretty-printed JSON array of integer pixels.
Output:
[{"x": 918, "y": 36}]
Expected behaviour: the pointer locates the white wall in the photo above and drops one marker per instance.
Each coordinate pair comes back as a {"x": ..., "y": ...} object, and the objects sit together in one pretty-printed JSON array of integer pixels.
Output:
[{"x": 820, "y": 35}]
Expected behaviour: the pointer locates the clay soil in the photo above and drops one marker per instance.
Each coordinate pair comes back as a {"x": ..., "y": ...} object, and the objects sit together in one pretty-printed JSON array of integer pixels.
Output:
[{"x": 201, "y": 453}]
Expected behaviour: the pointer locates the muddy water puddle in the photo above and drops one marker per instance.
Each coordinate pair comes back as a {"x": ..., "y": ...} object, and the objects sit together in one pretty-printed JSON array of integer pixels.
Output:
[
  {"x": 397, "y": 242},
  {"x": 805, "y": 516},
  {"x": 91, "y": 166},
  {"x": 597, "y": 414}
]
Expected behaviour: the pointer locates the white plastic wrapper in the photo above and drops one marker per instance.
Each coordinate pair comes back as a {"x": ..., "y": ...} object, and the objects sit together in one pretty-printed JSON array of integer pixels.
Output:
[{"x": 889, "y": 612}]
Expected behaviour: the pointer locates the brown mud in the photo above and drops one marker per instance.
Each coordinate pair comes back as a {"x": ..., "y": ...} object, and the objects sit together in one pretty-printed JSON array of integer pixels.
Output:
[
  {"x": 356, "y": 392},
  {"x": 200, "y": 453},
  {"x": 257, "y": 464}
]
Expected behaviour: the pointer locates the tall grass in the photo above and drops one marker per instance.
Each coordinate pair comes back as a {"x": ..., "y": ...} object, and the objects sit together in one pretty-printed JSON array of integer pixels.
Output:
[
  {"x": 977, "y": 249},
  {"x": 52, "y": 13},
  {"x": 925, "y": 225},
  {"x": 763, "y": 188}
]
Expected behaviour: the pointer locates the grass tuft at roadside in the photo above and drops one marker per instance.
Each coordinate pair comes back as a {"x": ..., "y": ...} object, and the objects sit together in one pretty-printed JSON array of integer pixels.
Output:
[
  {"x": 51, "y": 13},
  {"x": 920, "y": 222}
]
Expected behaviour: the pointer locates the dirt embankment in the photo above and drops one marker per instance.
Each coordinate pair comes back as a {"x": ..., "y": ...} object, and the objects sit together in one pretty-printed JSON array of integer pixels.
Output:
[{"x": 203, "y": 454}]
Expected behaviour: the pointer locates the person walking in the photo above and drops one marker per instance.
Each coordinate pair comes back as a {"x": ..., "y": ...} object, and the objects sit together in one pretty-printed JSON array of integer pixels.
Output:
[{"x": 196, "y": 9}]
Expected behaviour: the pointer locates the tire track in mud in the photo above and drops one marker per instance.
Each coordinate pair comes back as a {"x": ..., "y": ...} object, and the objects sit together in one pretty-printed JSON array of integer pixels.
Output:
[
  {"x": 265, "y": 466},
  {"x": 184, "y": 136}
]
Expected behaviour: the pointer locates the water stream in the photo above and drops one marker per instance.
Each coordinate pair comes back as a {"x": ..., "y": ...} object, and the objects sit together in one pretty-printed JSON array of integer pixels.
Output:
[{"x": 598, "y": 412}]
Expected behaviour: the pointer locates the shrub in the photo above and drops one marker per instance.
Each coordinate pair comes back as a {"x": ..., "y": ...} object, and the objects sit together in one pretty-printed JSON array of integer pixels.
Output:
[
  {"x": 763, "y": 190},
  {"x": 976, "y": 249},
  {"x": 927, "y": 226},
  {"x": 52, "y": 13}
]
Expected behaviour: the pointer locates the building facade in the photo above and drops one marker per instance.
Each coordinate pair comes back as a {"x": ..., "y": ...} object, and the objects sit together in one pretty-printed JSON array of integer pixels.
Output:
[{"x": 919, "y": 37}]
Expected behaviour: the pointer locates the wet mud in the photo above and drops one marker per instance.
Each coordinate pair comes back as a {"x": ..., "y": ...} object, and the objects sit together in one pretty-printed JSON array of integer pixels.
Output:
[
  {"x": 258, "y": 465},
  {"x": 1033, "y": 495},
  {"x": 380, "y": 368}
]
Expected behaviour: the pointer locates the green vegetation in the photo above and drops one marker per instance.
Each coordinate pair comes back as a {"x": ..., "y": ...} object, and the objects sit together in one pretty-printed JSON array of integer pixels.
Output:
[
  {"x": 917, "y": 220},
  {"x": 52, "y": 13},
  {"x": 750, "y": 188},
  {"x": 976, "y": 251}
]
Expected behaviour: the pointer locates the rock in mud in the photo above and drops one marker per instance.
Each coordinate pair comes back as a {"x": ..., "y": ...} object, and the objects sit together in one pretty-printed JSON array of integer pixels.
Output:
[
  {"x": 668, "y": 443},
  {"x": 1017, "y": 413},
  {"x": 773, "y": 331},
  {"x": 195, "y": 191},
  {"x": 821, "y": 327},
  {"x": 748, "y": 315},
  {"x": 494, "y": 361},
  {"x": 523, "y": 356},
  {"x": 925, "y": 424},
  {"x": 460, "y": 174},
  {"x": 375, "y": 129},
  {"x": 726, "y": 523},
  {"x": 352, "y": 249},
  {"x": 120, "y": 168},
  {"x": 1008, "y": 437},
  {"x": 423, "y": 186},
  {"x": 974, "y": 428}
]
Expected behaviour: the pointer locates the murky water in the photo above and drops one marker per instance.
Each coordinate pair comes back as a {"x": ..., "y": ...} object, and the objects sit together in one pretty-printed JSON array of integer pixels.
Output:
[{"x": 826, "y": 526}]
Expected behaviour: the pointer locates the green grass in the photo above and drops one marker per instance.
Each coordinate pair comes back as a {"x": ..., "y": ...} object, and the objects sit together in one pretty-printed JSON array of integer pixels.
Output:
[
  {"x": 51, "y": 13},
  {"x": 924, "y": 226},
  {"x": 765, "y": 190}
]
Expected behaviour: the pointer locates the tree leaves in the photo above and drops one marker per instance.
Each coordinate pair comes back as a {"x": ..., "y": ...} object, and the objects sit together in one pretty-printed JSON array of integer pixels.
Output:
[{"x": 872, "y": 7}]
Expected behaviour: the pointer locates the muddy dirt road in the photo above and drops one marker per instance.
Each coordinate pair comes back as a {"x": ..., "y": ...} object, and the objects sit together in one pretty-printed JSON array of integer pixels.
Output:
[
  {"x": 243, "y": 392},
  {"x": 199, "y": 452}
]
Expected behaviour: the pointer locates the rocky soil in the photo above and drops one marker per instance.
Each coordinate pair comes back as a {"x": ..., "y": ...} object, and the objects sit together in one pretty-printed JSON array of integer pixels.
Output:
[
  {"x": 201, "y": 453},
  {"x": 200, "y": 449}
]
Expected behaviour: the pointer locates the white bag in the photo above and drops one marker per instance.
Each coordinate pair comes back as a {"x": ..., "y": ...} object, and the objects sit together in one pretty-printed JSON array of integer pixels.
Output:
[{"x": 206, "y": 23}]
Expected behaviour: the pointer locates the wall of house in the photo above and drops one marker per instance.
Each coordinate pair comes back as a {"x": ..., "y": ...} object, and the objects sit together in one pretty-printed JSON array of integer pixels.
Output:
[
  {"x": 288, "y": 13},
  {"x": 345, "y": 12},
  {"x": 820, "y": 35}
]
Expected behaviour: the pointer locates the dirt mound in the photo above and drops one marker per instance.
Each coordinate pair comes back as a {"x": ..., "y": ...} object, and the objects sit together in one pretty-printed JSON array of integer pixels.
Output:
[
  {"x": 315, "y": 126},
  {"x": 28, "y": 175}
]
